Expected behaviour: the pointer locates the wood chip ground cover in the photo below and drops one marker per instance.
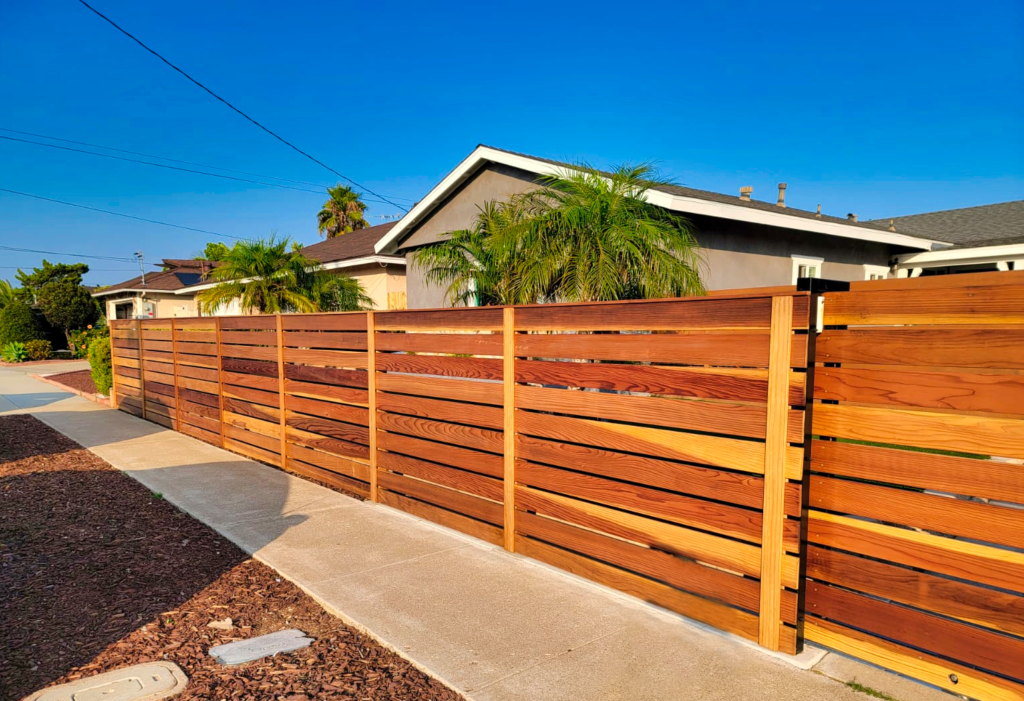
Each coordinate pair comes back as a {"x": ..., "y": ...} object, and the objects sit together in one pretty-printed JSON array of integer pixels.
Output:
[
  {"x": 99, "y": 573},
  {"x": 78, "y": 379}
]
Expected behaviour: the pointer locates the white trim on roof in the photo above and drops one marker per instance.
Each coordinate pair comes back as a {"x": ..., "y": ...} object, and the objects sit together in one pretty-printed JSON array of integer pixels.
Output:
[
  {"x": 678, "y": 203},
  {"x": 958, "y": 256},
  {"x": 365, "y": 260},
  {"x": 142, "y": 290}
]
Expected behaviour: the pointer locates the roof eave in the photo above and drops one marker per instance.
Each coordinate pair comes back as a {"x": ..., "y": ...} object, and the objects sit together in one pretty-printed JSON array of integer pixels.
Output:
[{"x": 689, "y": 205}]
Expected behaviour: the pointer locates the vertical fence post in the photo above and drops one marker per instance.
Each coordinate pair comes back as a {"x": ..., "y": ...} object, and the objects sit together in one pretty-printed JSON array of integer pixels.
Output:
[
  {"x": 282, "y": 418},
  {"x": 774, "y": 513},
  {"x": 174, "y": 366},
  {"x": 142, "y": 370},
  {"x": 220, "y": 384},
  {"x": 508, "y": 357},
  {"x": 113, "y": 369},
  {"x": 371, "y": 388}
]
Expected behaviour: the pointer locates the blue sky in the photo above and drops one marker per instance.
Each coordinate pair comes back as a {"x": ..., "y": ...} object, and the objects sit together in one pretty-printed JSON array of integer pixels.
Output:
[{"x": 878, "y": 108}]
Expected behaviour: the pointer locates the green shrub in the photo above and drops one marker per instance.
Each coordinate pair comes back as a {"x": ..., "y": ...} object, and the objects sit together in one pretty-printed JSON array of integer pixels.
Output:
[
  {"x": 39, "y": 349},
  {"x": 99, "y": 361},
  {"x": 18, "y": 324},
  {"x": 14, "y": 353},
  {"x": 79, "y": 340}
]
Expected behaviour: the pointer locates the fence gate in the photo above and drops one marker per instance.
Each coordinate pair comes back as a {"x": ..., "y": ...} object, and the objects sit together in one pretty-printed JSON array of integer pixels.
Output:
[{"x": 915, "y": 530}]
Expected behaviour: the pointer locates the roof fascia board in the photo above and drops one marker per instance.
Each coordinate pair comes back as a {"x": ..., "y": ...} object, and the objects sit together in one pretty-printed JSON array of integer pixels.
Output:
[
  {"x": 105, "y": 293},
  {"x": 679, "y": 203},
  {"x": 365, "y": 260},
  {"x": 981, "y": 254}
]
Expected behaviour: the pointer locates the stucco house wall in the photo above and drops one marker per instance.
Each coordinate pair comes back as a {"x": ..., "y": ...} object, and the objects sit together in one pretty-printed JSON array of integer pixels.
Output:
[{"x": 378, "y": 280}]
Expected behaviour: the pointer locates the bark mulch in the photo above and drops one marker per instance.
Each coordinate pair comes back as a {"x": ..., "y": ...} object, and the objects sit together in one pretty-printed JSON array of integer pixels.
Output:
[
  {"x": 96, "y": 573},
  {"x": 79, "y": 379}
]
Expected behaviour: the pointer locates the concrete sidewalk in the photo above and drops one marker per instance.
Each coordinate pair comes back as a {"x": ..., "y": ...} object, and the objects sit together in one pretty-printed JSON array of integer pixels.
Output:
[{"x": 493, "y": 625}]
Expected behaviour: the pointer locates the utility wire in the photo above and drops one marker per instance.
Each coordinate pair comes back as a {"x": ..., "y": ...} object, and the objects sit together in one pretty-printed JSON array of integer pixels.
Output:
[
  {"x": 176, "y": 160},
  {"x": 238, "y": 111},
  {"x": 163, "y": 165},
  {"x": 117, "y": 214},
  {"x": 91, "y": 269},
  {"x": 75, "y": 255}
]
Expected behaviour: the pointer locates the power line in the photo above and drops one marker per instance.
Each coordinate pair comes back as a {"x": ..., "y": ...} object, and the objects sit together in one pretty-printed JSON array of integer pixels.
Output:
[
  {"x": 176, "y": 160},
  {"x": 91, "y": 269},
  {"x": 238, "y": 111},
  {"x": 73, "y": 255},
  {"x": 118, "y": 214},
  {"x": 163, "y": 165}
]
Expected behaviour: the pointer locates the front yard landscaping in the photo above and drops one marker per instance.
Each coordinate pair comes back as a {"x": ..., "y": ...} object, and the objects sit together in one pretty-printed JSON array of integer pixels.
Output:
[
  {"x": 98, "y": 573},
  {"x": 78, "y": 379}
]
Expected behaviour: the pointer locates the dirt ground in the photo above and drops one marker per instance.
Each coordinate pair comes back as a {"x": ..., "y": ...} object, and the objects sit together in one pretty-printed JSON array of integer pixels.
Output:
[
  {"x": 98, "y": 573},
  {"x": 79, "y": 379}
]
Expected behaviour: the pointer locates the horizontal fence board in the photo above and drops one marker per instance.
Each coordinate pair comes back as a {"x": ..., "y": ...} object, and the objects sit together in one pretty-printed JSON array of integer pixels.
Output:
[
  {"x": 330, "y": 462},
  {"x": 743, "y": 558},
  {"x": 442, "y": 388},
  {"x": 735, "y": 487},
  {"x": 198, "y": 397},
  {"x": 195, "y": 348},
  {"x": 255, "y": 411},
  {"x": 969, "y": 682},
  {"x": 249, "y": 450},
  {"x": 248, "y": 322},
  {"x": 210, "y": 412},
  {"x": 328, "y": 427},
  {"x": 241, "y": 366},
  {"x": 462, "y": 343},
  {"x": 955, "y": 558},
  {"x": 441, "y": 410},
  {"x": 460, "y": 502},
  {"x": 328, "y": 477},
  {"x": 264, "y": 428},
  {"x": 464, "y": 524},
  {"x": 720, "y": 349},
  {"x": 466, "y": 319},
  {"x": 346, "y": 395},
  {"x": 990, "y": 651},
  {"x": 267, "y": 384},
  {"x": 328, "y": 444},
  {"x": 328, "y": 410},
  {"x": 456, "y": 456},
  {"x": 203, "y": 361},
  {"x": 200, "y": 433},
  {"x": 325, "y": 339},
  {"x": 955, "y": 432},
  {"x": 712, "y": 417},
  {"x": 334, "y": 376},
  {"x": 453, "y": 478},
  {"x": 991, "y": 348},
  {"x": 335, "y": 358},
  {"x": 988, "y": 479},
  {"x": 256, "y": 396},
  {"x": 198, "y": 373},
  {"x": 343, "y": 321},
  {"x": 249, "y": 338},
  {"x": 197, "y": 385},
  {"x": 983, "y": 606},
  {"x": 474, "y": 368},
  {"x": 962, "y": 391},
  {"x": 268, "y": 353},
  {"x": 458, "y": 434},
  {"x": 993, "y": 304},
  {"x": 968, "y": 519},
  {"x": 204, "y": 422}
]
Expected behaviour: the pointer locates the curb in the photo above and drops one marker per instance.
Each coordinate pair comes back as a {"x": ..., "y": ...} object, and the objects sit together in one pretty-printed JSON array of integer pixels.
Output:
[{"x": 105, "y": 401}]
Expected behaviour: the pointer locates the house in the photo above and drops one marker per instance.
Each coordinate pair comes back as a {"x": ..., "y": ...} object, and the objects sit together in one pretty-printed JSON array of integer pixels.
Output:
[
  {"x": 171, "y": 292},
  {"x": 156, "y": 294},
  {"x": 746, "y": 242},
  {"x": 986, "y": 238}
]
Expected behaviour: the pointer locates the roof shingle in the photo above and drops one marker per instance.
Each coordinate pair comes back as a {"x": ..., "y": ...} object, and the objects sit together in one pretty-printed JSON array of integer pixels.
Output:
[{"x": 987, "y": 225}]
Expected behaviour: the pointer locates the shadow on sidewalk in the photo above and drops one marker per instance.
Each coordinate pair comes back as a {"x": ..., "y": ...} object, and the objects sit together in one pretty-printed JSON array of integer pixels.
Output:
[{"x": 88, "y": 555}]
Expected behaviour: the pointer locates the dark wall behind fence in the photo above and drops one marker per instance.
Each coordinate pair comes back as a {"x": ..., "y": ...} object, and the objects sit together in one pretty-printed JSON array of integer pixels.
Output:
[{"x": 658, "y": 447}]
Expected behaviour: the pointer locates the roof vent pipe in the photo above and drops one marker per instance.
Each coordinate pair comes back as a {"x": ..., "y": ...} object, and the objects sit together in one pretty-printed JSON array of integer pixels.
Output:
[
  {"x": 818, "y": 213},
  {"x": 851, "y": 217},
  {"x": 892, "y": 225},
  {"x": 746, "y": 192},
  {"x": 782, "y": 195}
]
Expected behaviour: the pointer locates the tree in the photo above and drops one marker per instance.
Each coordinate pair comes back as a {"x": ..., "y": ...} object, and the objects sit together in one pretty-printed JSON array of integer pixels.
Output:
[
  {"x": 67, "y": 306},
  {"x": 7, "y": 293},
  {"x": 342, "y": 212},
  {"x": 32, "y": 283},
  {"x": 18, "y": 324},
  {"x": 215, "y": 250},
  {"x": 269, "y": 277},
  {"x": 584, "y": 235}
]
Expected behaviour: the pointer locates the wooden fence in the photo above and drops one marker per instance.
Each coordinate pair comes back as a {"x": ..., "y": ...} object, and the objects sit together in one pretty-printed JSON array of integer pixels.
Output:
[
  {"x": 657, "y": 447},
  {"x": 915, "y": 554}
]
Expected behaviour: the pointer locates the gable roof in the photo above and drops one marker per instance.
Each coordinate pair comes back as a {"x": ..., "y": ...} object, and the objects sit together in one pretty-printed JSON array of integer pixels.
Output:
[
  {"x": 356, "y": 244},
  {"x": 674, "y": 197},
  {"x": 969, "y": 227}
]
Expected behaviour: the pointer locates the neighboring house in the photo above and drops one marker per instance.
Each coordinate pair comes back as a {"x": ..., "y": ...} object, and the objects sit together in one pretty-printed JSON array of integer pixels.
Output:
[
  {"x": 171, "y": 292},
  {"x": 157, "y": 296},
  {"x": 745, "y": 242},
  {"x": 986, "y": 238}
]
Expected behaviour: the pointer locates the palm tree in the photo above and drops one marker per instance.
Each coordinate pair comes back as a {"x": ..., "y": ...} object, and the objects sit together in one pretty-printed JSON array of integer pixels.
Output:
[
  {"x": 583, "y": 236},
  {"x": 342, "y": 213},
  {"x": 7, "y": 294},
  {"x": 270, "y": 277}
]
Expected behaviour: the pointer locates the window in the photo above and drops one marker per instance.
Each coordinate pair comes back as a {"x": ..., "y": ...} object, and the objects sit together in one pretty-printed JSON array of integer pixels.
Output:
[
  {"x": 806, "y": 266},
  {"x": 875, "y": 272}
]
